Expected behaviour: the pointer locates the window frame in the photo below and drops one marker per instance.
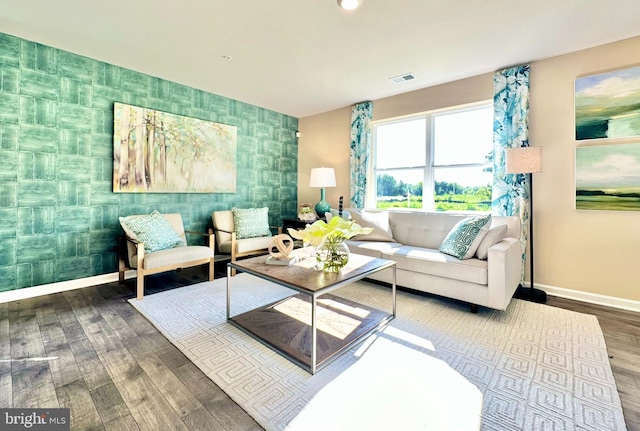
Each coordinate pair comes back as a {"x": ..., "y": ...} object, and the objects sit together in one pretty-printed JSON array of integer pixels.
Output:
[{"x": 429, "y": 167}]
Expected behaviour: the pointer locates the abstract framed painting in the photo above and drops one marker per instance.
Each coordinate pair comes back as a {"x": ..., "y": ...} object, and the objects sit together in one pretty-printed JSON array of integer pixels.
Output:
[
  {"x": 159, "y": 152},
  {"x": 608, "y": 105},
  {"x": 608, "y": 177}
]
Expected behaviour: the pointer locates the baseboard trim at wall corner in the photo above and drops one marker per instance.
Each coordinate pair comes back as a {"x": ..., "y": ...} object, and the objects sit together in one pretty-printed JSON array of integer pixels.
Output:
[
  {"x": 63, "y": 286},
  {"x": 591, "y": 298}
]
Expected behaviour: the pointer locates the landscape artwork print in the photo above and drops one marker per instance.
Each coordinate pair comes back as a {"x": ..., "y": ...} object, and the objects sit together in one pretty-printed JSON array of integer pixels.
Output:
[
  {"x": 158, "y": 152},
  {"x": 608, "y": 177},
  {"x": 608, "y": 105}
]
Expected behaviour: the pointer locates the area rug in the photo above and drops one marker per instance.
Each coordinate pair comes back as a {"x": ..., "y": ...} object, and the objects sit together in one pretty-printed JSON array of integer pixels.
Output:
[{"x": 437, "y": 366}]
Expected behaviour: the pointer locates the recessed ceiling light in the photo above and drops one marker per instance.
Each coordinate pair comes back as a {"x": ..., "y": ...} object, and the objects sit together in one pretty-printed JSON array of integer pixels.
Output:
[{"x": 349, "y": 4}]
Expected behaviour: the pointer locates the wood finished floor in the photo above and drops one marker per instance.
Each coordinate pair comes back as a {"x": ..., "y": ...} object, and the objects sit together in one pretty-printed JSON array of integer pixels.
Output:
[{"x": 117, "y": 372}]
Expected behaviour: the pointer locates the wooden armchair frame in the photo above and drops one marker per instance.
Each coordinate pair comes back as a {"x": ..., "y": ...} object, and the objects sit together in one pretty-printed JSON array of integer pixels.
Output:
[
  {"x": 233, "y": 252},
  {"x": 141, "y": 272}
]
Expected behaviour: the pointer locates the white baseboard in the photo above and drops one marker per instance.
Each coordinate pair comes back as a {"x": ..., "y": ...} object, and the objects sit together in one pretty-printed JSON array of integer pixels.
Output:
[
  {"x": 591, "y": 298},
  {"x": 46, "y": 289},
  {"x": 63, "y": 286}
]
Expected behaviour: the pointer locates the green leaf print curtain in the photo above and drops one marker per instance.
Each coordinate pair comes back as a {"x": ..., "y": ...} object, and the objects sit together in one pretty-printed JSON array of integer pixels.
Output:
[
  {"x": 511, "y": 129},
  {"x": 361, "y": 115}
]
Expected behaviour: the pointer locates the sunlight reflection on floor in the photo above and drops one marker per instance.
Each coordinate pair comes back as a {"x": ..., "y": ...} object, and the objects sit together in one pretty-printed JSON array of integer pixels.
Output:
[{"x": 399, "y": 386}]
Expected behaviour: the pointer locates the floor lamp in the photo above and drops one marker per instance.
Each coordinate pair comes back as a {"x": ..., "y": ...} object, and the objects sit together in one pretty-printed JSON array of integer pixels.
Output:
[{"x": 527, "y": 160}]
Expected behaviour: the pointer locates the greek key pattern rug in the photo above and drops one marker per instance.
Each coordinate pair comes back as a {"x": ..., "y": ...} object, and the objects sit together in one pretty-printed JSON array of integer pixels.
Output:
[{"x": 436, "y": 366}]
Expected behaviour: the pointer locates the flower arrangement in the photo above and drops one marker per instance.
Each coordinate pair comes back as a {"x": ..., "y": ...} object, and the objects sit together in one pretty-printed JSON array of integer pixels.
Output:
[
  {"x": 332, "y": 253},
  {"x": 337, "y": 230}
]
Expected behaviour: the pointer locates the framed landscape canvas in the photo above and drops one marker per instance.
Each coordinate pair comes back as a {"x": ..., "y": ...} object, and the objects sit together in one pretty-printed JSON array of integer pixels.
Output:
[
  {"x": 608, "y": 105},
  {"x": 159, "y": 152},
  {"x": 608, "y": 177}
]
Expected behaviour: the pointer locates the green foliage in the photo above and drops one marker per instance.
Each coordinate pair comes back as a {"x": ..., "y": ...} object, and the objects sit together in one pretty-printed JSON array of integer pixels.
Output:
[
  {"x": 448, "y": 196},
  {"x": 414, "y": 202}
]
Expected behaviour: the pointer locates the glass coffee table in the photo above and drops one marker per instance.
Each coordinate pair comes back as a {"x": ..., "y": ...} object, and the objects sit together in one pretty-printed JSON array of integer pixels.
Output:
[{"x": 312, "y": 326}]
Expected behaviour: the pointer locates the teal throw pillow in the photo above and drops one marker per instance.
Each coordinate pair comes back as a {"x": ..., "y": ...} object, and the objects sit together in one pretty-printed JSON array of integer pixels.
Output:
[
  {"x": 154, "y": 231},
  {"x": 251, "y": 222},
  {"x": 465, "y": 237}
]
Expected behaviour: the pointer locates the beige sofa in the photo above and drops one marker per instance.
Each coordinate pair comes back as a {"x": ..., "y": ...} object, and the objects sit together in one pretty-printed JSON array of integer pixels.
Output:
[{"x": 412, "y": 240}]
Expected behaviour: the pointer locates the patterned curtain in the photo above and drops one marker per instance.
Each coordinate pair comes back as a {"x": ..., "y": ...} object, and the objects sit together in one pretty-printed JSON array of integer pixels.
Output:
[
  {"x": 361, "y": 115},
  {"x": 511, "y": 129}
]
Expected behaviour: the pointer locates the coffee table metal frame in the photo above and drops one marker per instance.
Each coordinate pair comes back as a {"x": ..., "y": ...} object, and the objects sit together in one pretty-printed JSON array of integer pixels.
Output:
[{"x": 268, "y": 272}]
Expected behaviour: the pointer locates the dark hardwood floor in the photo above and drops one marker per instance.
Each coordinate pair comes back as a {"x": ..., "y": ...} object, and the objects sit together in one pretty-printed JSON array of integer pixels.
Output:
[{"x": 90, "y": 351}]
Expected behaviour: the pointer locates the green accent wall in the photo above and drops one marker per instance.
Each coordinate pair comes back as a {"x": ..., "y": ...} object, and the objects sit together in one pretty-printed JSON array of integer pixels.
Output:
[{"x": 58, "y": 214}]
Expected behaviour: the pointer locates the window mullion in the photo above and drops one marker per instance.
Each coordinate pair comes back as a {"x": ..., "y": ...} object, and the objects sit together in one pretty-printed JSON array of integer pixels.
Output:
[{"x": 428, "y": 185}]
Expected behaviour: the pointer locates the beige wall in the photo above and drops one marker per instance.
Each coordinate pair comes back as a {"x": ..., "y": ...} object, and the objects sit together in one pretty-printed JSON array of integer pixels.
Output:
[{"x": 591, "y": 251}]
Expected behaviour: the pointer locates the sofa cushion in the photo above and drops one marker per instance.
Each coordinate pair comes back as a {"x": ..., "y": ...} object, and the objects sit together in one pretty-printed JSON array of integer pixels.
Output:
[
  {"x": 422, "y": 229},
  {"x": 465, "y": 237},
  {"x": 494, "y": 236},
  {"x": 154, "y": 230},
  {"x": 371, "y": 248},
  {"x": 433, "y": 262},
  {"x": 378, "y": 220},
  {"x": 251, "y": 222}
]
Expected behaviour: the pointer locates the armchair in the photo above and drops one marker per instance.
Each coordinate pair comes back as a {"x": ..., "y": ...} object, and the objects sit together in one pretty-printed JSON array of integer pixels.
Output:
[
  {"x": 157, "y": 243},
  {"x": 238, "y": 241}
]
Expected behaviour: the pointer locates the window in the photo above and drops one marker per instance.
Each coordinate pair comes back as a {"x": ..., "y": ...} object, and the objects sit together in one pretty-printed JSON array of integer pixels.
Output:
[{"x": 439, "y": 160}]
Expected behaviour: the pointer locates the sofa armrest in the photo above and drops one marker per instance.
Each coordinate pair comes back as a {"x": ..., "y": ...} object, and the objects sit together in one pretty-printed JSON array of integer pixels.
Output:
[{"x": 504, "y": 266}]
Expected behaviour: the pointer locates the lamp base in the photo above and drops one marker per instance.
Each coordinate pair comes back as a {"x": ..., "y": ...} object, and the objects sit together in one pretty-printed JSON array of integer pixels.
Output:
[
  {"x": 531, "y": 294},
  {"x": 322, "y": 207}
]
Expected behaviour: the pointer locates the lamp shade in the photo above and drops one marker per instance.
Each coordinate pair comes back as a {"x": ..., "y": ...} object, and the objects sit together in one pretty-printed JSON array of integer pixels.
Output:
[
  {"x": 322, "y": 177},
  {"x": 523, "y": 160}
]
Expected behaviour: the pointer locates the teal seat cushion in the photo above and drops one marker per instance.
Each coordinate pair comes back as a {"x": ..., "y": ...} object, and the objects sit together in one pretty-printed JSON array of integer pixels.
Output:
[
  {"x": 153, "y": 230},
  {"x": 251, "y": 222},
  {"x": 465, "y": 237}
]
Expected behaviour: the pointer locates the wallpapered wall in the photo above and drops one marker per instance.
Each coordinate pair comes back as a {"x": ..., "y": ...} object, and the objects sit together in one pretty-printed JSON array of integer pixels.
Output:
[{"x": 58, "y": 214}]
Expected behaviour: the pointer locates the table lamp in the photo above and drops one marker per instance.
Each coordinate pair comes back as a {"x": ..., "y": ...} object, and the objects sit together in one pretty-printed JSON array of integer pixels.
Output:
[{"x": 322, "y": 177}]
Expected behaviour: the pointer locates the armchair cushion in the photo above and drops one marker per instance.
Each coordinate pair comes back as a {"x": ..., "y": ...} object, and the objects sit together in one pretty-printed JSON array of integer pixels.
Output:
[
  {"x": 173, "y": 257},
  {"x": 246, "y": 245},
  {"x": 251, "y": 222},
  {"x": 153, "y": 230}
]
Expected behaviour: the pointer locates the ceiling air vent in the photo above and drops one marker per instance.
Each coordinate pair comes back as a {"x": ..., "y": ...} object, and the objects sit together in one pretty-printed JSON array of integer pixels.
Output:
[{"x": 403, "y": 78}]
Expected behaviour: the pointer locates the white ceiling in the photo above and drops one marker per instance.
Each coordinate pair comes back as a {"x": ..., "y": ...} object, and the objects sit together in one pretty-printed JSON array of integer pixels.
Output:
[{"x": 304, "y": 57}]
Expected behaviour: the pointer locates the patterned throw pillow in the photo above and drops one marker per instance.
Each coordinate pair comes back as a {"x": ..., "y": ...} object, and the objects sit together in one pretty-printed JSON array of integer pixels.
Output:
[
  {"x": 251, "y": 222},
  {"x": 153, "y": 230},
  {"x": 465, "y": 237}
]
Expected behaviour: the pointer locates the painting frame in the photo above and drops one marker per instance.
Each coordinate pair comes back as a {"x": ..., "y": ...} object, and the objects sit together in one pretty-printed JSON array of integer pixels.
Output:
[
  {"x": 607, "y": 105},
  {"x": 607, "y": 177},
  {"x": 161, "y": 152}
]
